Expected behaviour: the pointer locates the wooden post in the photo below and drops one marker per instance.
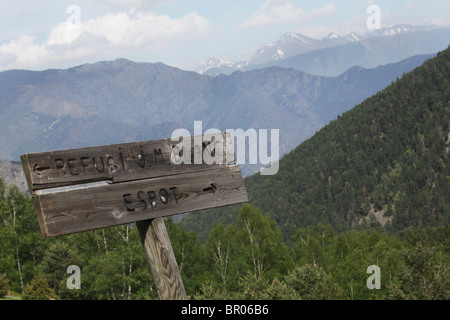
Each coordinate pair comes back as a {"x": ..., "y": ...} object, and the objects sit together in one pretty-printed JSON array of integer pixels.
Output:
[{"x": 161, "y": 259}]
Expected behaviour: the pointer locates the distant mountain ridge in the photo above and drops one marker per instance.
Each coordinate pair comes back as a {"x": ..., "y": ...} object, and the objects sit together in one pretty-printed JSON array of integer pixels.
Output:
[
  {"x": 121, "y": 101},
  {"x": 314, "y": 56}
]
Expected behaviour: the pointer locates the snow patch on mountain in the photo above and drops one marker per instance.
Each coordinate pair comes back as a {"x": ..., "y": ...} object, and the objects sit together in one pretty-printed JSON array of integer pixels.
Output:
[{"x": 214, "y": 62}]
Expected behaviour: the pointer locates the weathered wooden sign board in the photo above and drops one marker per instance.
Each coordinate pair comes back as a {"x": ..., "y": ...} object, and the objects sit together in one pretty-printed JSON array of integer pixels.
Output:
[{"x": 89, "y": 188}]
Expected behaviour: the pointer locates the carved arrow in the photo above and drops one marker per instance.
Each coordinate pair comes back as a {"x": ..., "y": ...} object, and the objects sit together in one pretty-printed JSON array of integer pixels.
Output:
[{"x": 38, "y": 169}]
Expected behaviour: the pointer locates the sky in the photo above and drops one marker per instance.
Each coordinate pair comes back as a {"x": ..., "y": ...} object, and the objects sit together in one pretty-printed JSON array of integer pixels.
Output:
[{"x": 38, "y": 35}]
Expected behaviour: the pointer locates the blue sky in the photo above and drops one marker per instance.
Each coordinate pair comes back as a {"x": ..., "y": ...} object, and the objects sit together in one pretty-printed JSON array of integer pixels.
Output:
[{"x": 45, "y": 34}]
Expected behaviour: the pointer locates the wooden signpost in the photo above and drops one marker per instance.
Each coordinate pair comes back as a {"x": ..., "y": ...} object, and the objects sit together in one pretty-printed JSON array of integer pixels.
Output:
[{"x": 89, "y": 188}]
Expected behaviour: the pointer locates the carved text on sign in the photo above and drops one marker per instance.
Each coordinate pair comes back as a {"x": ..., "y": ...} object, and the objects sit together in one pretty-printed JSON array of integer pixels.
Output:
[{"x": 144, "y": 200}]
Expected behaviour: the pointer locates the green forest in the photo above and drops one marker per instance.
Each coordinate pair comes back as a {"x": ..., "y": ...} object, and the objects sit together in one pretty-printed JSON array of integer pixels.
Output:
[
  {"x": 245, "y": 260},
  {"x": 369, "y": 189}
]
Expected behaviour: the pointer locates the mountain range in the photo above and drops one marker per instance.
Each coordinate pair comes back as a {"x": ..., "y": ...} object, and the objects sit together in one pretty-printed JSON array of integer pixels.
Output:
[
  {"x": 384, "y": 164},
  {"x": 123, "y": 101},
  {"x": 334, "y": 54}
]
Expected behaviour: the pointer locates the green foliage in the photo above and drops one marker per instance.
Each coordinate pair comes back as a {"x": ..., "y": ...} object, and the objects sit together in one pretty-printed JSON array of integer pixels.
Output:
[
  {"x": 38, "y": 289},
  {"x": 22, "y": 246},
  {"x": 260, "y": 242},
  {"x": 54, "y": 264},
  {"x": 251, "y": 286},
  {"x": 112, "y": 263},
  {"x": 426, "y": 274},
  {"x": 311, "y": 282},
  {"x": 245, "y": 260},
  {"x": 190, "y": 255},
  {"x": 279, "y": 290},
  {"x": 210, "y": 291},
  {"x": 252, "y": 245},
  {"x": 4, "y": 286}
]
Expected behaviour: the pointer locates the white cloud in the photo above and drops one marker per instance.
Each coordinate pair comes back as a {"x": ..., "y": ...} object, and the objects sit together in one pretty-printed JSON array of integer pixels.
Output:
[
  {"x": 114, "y": 32},
  {"x": 124, "y": 3},
  {"x": 356, "y": 23},
  {"x": 131, "y": 3},
  {"x": 273, "y": 12},
  {"x": 412, "y": 5},
  {"x": 438, "y": 21}
]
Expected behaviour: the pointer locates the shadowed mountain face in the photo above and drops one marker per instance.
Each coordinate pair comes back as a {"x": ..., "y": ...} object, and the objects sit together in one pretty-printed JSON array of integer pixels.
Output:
[{"x": 123, "y": 101}]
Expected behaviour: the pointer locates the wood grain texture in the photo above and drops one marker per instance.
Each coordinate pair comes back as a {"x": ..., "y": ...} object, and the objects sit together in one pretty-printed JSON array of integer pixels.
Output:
[
  {"x": 120, "y": 162},
  {"x": 118, "y": 203},
  {"x": 161, "y": 259}
]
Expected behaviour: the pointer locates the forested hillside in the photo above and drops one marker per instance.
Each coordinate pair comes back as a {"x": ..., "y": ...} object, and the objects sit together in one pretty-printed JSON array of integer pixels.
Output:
[{"x": 385, "y": 162}]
